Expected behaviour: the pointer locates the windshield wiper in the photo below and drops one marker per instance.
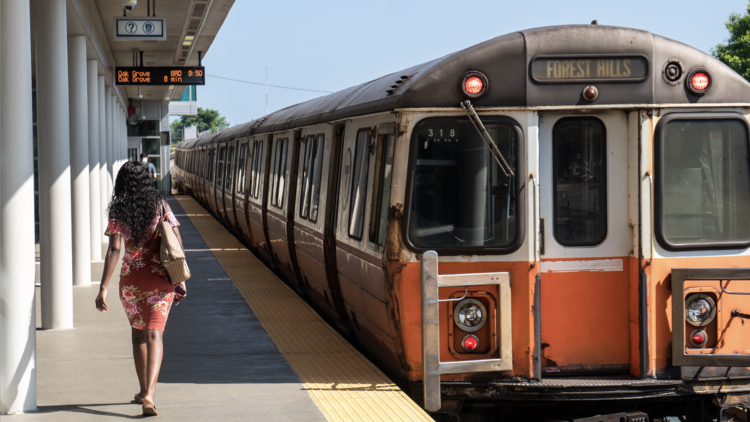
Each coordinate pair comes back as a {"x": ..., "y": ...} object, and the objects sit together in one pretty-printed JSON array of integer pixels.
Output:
[{"x": 474, "y": 118}]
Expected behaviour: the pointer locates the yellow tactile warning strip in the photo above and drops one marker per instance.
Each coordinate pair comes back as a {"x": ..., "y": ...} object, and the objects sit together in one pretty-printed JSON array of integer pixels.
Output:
[{"x": 345, "y": 385}]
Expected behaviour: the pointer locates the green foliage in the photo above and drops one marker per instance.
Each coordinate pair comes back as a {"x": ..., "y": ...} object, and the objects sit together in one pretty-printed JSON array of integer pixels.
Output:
[
  {"x": 735, "y": 52},
  {"x": 206, "y": 119}
]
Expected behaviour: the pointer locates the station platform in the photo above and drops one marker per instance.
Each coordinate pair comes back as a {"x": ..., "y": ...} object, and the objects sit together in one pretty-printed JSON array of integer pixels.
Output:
[{"x": 242, "y": 346}]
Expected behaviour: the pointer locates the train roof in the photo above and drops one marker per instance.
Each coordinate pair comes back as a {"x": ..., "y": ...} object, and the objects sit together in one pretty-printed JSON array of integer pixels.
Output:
[{"x": 506, "y": 62}]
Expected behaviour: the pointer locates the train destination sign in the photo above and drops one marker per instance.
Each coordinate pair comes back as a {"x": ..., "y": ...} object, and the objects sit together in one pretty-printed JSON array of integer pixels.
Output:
[
  {"x": 588, "y": 68},
  {"x": 194, "y": 75}
]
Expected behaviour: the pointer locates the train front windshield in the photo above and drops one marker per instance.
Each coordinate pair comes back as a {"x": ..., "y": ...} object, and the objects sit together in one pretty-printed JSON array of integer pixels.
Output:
[{"x": 460, "y": 195}]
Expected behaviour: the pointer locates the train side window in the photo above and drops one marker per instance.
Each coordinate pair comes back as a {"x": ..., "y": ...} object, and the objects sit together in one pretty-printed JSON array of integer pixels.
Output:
[
  {"x": 205, "y": 164},
  {"x": 359, "y": 184},
  {"x": 230, "y": 169},
  {"x": 210, "y": 165},
  {"x": 316, "y": 173},
  {"x": 282, "y": 174},
  {"x": 310, "y": 189},
  {"x": 382, "y": 188},
  {"x": 304, "y": 191},
  {"x": 256, "y": 171},
  {"x": 579, "y": 151},
  {"x": 241, "y": 169},
  {"x": 220, "y": 167},
  {"x": 702, "y": 186},
  {"x": 275, "y": 158},
  {"x": 279, "y": 172}
]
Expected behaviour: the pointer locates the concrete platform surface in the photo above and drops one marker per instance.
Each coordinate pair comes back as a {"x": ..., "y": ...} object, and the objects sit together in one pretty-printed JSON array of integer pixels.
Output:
[{"x": 219, "y": 363}]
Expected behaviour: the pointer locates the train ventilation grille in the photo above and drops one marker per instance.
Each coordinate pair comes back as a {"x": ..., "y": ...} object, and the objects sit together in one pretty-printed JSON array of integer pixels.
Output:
[{"x": 398, "y": 84}]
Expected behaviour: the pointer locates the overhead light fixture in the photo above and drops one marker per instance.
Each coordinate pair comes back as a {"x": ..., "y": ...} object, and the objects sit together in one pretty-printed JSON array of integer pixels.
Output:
[
  {"x": 189, "y": 37},
  {"x": 187, "y": 43}
]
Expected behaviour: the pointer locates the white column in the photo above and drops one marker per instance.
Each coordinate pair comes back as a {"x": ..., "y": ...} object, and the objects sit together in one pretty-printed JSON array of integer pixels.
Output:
[
  {"x": 95, "y": 203},
  {"x": 103, "y": 192},
  {"x": 109, "y": 103},
  {"x": 17, "y": 306},
  {"x": 79, "y": 160},
  {"x": 53, "y": 129},
  {"x": 118, "y": 138}
]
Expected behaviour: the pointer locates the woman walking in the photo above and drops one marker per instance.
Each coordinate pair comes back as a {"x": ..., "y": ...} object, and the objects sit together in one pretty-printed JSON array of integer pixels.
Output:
[{"x": 145, "y": 292}]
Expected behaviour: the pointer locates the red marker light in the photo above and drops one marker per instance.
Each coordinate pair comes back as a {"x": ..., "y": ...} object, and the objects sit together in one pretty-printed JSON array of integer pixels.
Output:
[
  {"x": 473, "y": 85},
  {"x": 698, "y": 338},
  {"x": 699, "y": 81},
  {"x": 470, "y": 343}
]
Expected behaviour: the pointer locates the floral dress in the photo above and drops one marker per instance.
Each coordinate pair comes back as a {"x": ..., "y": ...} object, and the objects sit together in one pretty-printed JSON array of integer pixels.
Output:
[{"x": 145, "y": 292}]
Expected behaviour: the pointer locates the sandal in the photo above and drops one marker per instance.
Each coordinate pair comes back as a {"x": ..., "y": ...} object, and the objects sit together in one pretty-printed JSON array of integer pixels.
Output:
[
  {"x": 137, "y": 399},
  {"x": 149, "y": 409}
]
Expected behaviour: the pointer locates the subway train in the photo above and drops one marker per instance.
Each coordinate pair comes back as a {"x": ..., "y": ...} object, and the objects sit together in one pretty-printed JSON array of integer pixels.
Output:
[{"x": 550, "y": 225}]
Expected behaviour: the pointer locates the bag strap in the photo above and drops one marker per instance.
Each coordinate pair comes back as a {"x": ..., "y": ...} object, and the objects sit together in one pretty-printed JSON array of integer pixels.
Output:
[{"x": 163, "y": 210}]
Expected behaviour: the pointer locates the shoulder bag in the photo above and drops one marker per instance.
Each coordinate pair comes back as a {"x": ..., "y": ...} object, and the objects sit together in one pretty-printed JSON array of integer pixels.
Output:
[{"x": 172, "y": 254}]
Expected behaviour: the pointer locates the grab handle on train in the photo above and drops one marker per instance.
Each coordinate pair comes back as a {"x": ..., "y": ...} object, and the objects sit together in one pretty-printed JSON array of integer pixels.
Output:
[{"x": 721, "y": 284}]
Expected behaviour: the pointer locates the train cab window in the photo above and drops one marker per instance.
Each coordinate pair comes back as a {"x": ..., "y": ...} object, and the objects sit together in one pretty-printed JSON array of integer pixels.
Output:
[
  {"x": 382, "y": 189},
  {"x": 460, "y": 198},
  {"x": 311, "y": 170},
  {"x": 579, "y": 151},
  {"x": 220, "y": 167},
  {"x": 702, "y": 181},
  {"x": 230, "y": 169},
  {"x": 241, "y": 169},
  {"x": 279, "y": 172},
  {"x": 359, "y": 183}
]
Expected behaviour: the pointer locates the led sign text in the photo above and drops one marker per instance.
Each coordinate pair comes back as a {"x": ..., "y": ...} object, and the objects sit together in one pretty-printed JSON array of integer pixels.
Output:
[
  {"x": 559, "y": 69},
  {"x": 161, "y": 75}
]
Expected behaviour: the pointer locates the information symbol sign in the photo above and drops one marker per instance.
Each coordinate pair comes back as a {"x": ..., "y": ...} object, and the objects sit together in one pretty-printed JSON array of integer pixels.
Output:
[
  {"x": 131, "y": 27},
  {"x": 148, "y": 27}
]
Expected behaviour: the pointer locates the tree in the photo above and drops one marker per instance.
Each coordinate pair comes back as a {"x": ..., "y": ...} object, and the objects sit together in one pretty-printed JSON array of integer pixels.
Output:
[
  {"x": 735, "y": 52},
  {"x": 206, "y": 119}
]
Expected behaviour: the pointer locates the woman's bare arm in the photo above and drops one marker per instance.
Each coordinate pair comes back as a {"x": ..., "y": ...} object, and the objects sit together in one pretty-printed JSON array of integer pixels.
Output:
[{"x": 110, "y": 262}]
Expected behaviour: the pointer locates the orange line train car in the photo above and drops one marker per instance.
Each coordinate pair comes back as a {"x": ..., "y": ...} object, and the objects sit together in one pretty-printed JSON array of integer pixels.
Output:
[{"x": 554, "y": 216}]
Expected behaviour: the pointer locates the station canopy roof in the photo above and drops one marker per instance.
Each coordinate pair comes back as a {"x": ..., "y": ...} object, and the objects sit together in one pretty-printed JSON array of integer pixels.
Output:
[{"x": 191, "y": 27}]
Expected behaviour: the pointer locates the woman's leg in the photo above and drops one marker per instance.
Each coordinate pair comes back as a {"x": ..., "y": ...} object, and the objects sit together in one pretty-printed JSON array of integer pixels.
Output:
[
  {"x": 140, "y": 352},
  {"x": 155, "y": 354}
]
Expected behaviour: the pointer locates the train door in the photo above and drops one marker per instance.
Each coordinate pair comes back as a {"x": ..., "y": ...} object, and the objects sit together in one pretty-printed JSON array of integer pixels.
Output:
[
  {"x": 365, "y": 169},
  {"x": 586, "y": 243},
  {"x": 225, "y": 200},
  {"x": 255, "y": 196},
  {"x": 239, "y": 207},
  {"x": 280, "y": 202},
  {"x": 309, "y": 240}
]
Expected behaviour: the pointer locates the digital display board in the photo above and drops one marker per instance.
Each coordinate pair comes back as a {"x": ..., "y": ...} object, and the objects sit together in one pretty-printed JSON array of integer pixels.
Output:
[
  {"x": 588, "y": 68},
  {"x": 160, "y": 75}
]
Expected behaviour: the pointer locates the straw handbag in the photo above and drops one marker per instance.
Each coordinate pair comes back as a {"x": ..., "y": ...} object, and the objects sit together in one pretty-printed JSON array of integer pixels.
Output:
[{"x": 172, "y": 254}]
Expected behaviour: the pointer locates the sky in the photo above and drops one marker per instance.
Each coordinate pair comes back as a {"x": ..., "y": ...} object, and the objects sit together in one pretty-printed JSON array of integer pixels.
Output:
[{"x": 331, "y": 45}]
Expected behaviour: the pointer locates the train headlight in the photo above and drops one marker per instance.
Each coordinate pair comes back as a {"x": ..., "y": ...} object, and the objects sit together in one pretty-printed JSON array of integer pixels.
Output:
[
  {"x": 700, "y": 310},
  {"x": 470, "y": 315},
  {"x": 474, "y": 84}
]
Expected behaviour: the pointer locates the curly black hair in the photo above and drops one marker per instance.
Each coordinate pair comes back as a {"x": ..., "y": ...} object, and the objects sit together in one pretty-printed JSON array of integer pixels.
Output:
[{"x": 135, "y": 202}]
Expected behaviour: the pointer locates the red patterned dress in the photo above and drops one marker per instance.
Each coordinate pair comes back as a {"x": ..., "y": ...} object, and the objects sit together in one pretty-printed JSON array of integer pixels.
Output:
[{"x": 145, "y": 292}]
